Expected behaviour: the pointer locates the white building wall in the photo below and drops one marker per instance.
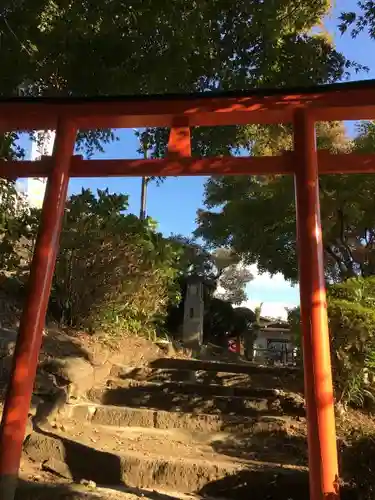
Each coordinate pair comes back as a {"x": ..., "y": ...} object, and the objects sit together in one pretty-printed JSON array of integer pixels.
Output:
[
  {"x": 34, "y": 188},
  {"x": 261, "y": 342}
]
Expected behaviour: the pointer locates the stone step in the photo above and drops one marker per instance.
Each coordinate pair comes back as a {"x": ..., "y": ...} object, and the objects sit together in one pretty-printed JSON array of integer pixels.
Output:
[
  {"x": 246, "y": 435},
  {"x": 195, "y": 398},
  {"x": 184, "y": 403},
  {"x": 274, "y": 380},
  {"x": 123, "y": 416},
  {"x": 153, "y": 462},
  {"x": 194, "y": 389},
  {"x": 28, "y": 490},
  {"x": 266, "y": 439},
  {"x": 218, "y": 366}
]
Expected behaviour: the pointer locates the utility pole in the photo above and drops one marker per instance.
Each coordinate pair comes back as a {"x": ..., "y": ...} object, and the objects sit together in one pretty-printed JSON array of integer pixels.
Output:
[
  {"x": 142, "y": 213},
  {"x": 145, "y": 180}
]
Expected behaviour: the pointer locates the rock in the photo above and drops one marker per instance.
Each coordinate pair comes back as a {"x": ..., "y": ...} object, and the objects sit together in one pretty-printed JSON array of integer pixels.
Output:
[
  {"x": 8, "y": 340},
  {"x": 57, "y": 467},
  {"x": 50, "y": 409},
  {"x": 35, "y": 402},
  {"x": 72, "y": 369},
  {"x": 58, "y": 381},
  {"x": 74, "y": 373},
  {"x": 340, "y": 410},
  {"x": 29, "y": 428},
  {"x": 88, "y": 483},
  {"x": 45, "y": 384},
  {"x": 293, "y": 403}
]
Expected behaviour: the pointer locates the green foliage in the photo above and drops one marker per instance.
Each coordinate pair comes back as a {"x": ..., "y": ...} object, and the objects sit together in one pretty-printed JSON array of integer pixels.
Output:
[
  {"x": 244, "y": 319},
  {"x": 224, "y": 283},
  {"x": 222, "y": 321},
  {"x": 232, "y": 283},
  {"x": 218, "y": 320},
  {"x": 93, "y": 141},
  {"x": 352, "y": 326},
  {"x": 294, "y": 321},
  {"x": 220, "y": 270},
  {"x": 194, "y": 259},
  {"x": 258, "y": 313},
  {"x": 178, "y": 47},
  {"x": 359, "y": 21},
  {"x": 114, "y": 273},
  {"x": 14, "y": 228},
  {"x": 365, "y": 139},
  {"x": 351, "y": 316},
  {"x": 15, "y": 217},
  {"x": 255, "y": 215}
]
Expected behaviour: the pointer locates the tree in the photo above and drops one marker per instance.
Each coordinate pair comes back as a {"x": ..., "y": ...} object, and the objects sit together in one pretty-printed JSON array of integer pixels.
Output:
[
  {"x": 220, "y": 270},
  {"x": 257, "y": 214},
  {"x": 222, "y": 321},
  {"x": 174, "y": 48},
  {"x": 194, "y": 259},
  {"x": 223, "y": 285},
  {"x": 114, "y": 272},
  {"x": 232, "y": 276},
  {"x": 352, "y": 338},
  {"x": 145, "y": 145},
  {"x": 177, "y": 47},
  {"x": 232, "y": 282},
  {"x": 15, "y": 216},
  {"x": 252, "y": 332},
  {"x": 359, "y": 21}
]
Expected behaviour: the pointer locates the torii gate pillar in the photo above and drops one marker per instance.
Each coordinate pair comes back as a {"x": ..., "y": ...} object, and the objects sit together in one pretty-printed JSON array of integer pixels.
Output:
[
  {"x": 29, "y": 340},
  {"x": 323, "y": 463}
]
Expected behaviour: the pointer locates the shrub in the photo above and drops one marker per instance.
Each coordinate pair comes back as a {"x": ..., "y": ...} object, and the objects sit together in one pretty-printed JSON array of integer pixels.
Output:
[
  {"x": 15, "y": 229},
  {"x": 352, "y": 327},
  {"x": 351, "y": 317},
  {"x": 113, "y": 273}
]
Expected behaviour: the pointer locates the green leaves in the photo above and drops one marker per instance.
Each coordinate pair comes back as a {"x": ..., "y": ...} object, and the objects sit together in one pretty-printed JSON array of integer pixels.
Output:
[
  {"x": 346, "y": 18},
  {"x": 113, "y": 272},
  {"x": 220, "y": 270},
  {"x": 256, "y": 216},
  {"x": 15, "y": 217},
  {"x": 81, "y": 48},
  {"x": 358, "y": 22},
  {"x": 257, "y": 220},
  {"x": 352, "y": 338},
  {"x": 352, "y": 327}
]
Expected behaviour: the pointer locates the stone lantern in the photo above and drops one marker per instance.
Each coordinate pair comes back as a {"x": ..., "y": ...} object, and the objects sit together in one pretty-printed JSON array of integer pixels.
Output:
[{"x": 192, "y": 329}]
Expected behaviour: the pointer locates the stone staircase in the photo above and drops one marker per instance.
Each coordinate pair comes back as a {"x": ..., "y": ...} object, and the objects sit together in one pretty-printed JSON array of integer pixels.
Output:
[{"x": 202, "y": 428}]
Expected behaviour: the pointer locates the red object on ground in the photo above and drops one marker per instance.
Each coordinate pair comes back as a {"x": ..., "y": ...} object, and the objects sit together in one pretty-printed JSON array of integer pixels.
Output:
[
  {"x": 234, "y": 346},
  {"x": 231, "y": 348}
]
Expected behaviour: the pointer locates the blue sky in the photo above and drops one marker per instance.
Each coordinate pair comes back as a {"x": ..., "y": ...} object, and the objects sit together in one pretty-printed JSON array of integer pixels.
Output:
[{"x": 175, "y": 202}]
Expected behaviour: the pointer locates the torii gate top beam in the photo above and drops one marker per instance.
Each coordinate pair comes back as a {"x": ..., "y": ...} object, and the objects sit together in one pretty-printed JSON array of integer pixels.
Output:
[{"x": 341, "y": 101}]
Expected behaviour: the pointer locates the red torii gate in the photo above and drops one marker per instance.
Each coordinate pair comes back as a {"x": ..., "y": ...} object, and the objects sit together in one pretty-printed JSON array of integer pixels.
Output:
[{"x": 300, "y": 107}]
